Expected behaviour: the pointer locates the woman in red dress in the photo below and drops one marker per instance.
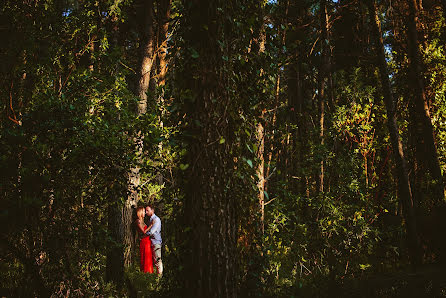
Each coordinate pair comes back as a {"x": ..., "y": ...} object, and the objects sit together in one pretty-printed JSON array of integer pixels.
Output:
[{"x": 145, "y": 245}]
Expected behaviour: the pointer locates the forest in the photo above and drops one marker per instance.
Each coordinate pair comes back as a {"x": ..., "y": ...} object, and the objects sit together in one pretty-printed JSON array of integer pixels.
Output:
[{"x": 291, "y": 148}]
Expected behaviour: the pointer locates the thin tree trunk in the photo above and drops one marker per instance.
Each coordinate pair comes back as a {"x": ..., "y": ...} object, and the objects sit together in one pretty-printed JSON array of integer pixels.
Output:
[
  {"x": 273, "y": 123},
  {"x": 163, "y": 24},
  {"x": 404, "y": 190},
  {"x": 261, "y": 172},
  {"x": 322, "y": 84},
  {"x": 260, "y": 135},
  {"x": 426, "y": 148}
]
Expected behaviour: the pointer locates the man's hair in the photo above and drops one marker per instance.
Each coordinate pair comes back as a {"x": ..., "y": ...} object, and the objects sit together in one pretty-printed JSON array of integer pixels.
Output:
[{"x": 151, "y": 206}]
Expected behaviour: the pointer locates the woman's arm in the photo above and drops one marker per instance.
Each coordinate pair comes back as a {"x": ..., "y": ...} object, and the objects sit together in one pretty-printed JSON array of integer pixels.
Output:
[
  {"x": 148, "y": 227},
  {"x": 140, "y": 226}
]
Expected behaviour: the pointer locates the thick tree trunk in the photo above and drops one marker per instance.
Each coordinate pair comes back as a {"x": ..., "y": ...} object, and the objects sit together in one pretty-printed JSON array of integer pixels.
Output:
[
  {"x": 115, "y": 255},
  {"x": 121, "y": 216},
  {"x": 163, "y": 15},
  {"x": 145, "y": 69},
  {"x": 420, "y": 116},
  {"x": 404, "y": 190},
  {"x": 146, "y": 56},
  {"x": 210, "y": 206},
  {"x": 210, "y": 200}
]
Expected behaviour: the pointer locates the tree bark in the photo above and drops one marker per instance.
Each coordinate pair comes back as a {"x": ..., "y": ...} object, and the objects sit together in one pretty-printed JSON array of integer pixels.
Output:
[
  {"x": 404, "y": 189},
  {"x": 146, "y": 57},
  {"x": 163, "y": 15},
  {"x": 261, "y": 172},
  {"x": 145, "y": 69},
  {"x": 420, "y": 116},
  {"x": 210, "y": 203},
  {"x": 121, "y": 228},
  {"x": 260, "y": 135},
  {"x": 163, "y": 25},
  {"x": 322, "y": 84}
]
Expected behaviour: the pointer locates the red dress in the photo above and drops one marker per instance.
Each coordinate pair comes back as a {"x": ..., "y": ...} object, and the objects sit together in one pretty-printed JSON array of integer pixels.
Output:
[{"x": 145, "y": 249}]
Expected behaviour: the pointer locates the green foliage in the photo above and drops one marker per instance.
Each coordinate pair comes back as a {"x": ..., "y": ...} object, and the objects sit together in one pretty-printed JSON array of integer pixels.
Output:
[
  {"x": 68, "y": 122},
  {"x": 142, "y": 283}
]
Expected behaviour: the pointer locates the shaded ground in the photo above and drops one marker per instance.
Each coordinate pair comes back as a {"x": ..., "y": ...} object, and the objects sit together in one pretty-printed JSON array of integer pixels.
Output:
[{"x": 428, "y": 281}]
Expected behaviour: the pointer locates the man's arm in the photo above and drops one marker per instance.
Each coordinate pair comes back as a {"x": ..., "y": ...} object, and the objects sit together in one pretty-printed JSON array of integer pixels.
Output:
[{"x": 156, "y": 227}]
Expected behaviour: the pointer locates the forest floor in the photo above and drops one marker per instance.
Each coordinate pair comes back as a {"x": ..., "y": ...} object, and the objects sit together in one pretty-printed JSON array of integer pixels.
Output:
[{"x": 427, "y": 281}]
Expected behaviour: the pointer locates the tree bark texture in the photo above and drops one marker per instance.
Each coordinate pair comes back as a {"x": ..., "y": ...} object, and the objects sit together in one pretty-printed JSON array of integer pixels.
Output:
[
  {"x": 121, "y": 228},
  {"x": 163, "y": 27},
  {"x": 420, "y": 116},
  {"x": 404, "y": 189},
  {"x": 145, "y": 69},
  {"x": 115, "y": 254},
  {"x": 210, "y": 204},
  {"x": 322, "y": 83},
  {"x": 260, "y": 134},
  {"x": 163, "y": 15}
]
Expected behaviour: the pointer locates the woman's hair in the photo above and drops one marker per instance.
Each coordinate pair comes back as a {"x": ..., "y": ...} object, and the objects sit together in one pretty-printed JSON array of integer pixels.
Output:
[{"x": 139, "y": 211}]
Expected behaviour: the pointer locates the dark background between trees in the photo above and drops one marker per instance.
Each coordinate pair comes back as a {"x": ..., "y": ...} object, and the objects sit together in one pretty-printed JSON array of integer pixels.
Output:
[{"x": 291, "y": 148}]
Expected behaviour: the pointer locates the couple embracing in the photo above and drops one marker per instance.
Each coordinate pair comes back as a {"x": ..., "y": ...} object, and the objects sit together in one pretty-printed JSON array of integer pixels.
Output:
[{"x": 150, "y": 239}]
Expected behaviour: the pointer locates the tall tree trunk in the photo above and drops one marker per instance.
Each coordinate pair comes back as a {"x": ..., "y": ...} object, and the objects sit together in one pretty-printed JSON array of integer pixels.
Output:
[
  {"x": 115, "y": 255},
  {"x": 292, "y": 37},
  {"x": 260, "y": 135},
  {"x": 268, "y": 173},
  {"x": 121, "y": 215},
  {"x": 146, "y": 57},
  {"x": 163, "y": 15},
  {"x": 163, "y": 25},
  {"x": 404, "y": 190},
  {"x": 294, "y": 109},
  {"x": 145, "y": 68},
  {"x": 425, "y": 140},
  {"x": 210, "y": 201},
  {"x": 322, "y": 84}
]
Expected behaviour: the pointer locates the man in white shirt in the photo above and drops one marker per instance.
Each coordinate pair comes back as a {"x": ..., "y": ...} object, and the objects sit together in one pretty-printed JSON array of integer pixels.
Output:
[{"x": 155, "y": 236}]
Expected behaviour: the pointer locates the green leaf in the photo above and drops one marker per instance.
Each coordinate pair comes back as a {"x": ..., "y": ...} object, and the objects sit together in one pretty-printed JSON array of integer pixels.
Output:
[
  {"x": 222, "y": 140},
  {"x": 364, "y": 266},
  {"x": 194, "y": 54},
  {"x": 249, "y": 162},
  {"x": 184, "y": 166},
  {"x": 249, "y": 148}
]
